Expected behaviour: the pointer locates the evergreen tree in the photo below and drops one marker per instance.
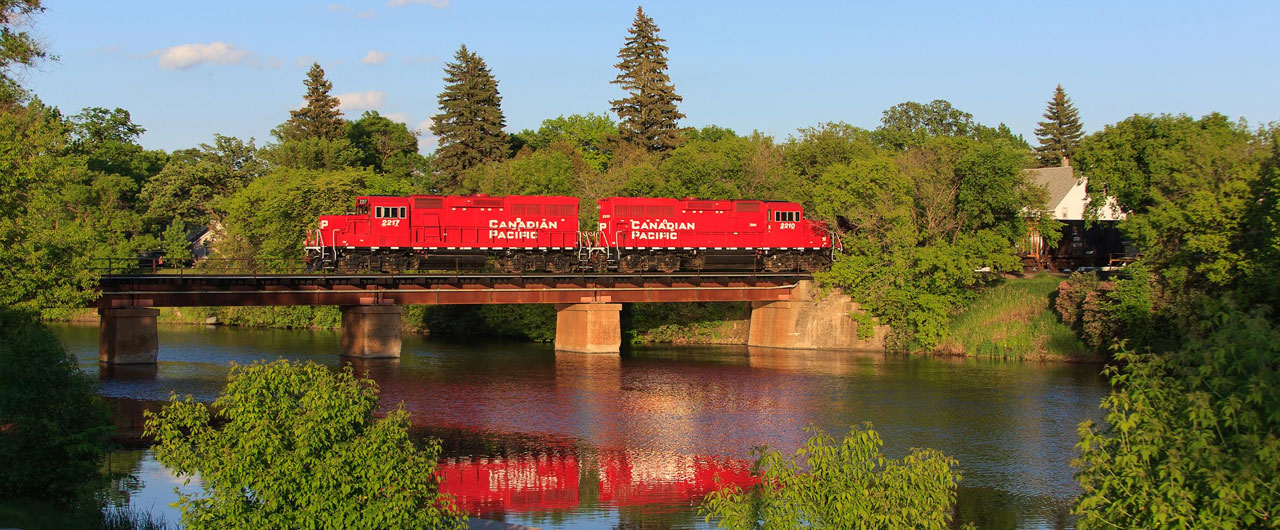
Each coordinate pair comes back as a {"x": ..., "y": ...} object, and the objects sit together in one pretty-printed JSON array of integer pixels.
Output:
[
  {"x": 320, "y": 118},
  {"x": 470, "y": 122},
  {"x": 1060, "y": 133},
  {"x": 648, "y": 115}
]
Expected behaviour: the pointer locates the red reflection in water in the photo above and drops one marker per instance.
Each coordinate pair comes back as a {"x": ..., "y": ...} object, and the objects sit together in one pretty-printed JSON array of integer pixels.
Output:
[{"x": 617, "y": 478}]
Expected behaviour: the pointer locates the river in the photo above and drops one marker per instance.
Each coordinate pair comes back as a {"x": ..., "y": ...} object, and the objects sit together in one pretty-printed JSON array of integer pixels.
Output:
[{"x": 559, "y": 440}]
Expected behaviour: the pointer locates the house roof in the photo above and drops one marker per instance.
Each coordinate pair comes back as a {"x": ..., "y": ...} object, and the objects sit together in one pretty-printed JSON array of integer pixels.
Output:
[{"x": 1058, "y": 180}]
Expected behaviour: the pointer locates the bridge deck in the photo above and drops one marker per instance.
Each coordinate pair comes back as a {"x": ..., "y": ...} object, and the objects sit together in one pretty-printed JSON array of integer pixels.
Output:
[{"x": 187, "y": 290}]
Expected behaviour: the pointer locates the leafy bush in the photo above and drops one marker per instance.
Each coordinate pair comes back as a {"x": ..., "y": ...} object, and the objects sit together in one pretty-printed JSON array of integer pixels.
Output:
[
  {"x": 850, "y": 485},
  {"x": 54, "y": 431},
  {"x": 1190, "y": 437},
  {"x": 296, "y": 446}
]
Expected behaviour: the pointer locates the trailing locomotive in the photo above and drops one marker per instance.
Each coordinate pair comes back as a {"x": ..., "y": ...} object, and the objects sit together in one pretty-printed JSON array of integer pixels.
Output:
[{"x": 518, "y": 233}]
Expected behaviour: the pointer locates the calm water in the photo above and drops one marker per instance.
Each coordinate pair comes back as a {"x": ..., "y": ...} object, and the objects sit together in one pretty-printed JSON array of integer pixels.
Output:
[{"x": 581, "y": 441}]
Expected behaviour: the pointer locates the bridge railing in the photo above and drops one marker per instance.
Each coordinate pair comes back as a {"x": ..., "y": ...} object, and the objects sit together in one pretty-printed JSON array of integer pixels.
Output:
[{"x": 203, "y": 266}]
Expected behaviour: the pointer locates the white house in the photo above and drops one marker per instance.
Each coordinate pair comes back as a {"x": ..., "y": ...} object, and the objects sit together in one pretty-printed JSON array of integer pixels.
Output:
[
  {"x": 1094, "y": 245},
  {"x": 1067, "y": 196}
]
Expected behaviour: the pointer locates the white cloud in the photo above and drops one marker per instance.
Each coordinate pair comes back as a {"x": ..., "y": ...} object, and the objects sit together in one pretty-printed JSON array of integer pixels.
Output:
[
  {"x": 374, "y": 57},
  {"x": 365, "y": 14},
  {"x": 397, "y": 116},
  {"x": 432, "y": 3},
  {"x": 184, "y": 56},
  {"x": 337, "y": 7},
  {"x": 371, "y": 99},
  {"x": 425, "y": 126}
]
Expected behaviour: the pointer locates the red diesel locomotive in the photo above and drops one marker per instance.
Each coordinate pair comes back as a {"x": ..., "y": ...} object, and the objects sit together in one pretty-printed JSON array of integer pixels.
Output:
[{"x": 533, "y": 233}]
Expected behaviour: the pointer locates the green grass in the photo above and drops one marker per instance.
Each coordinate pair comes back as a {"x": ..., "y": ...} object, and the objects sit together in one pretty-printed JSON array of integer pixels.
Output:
[{"x": 1014, "y": 320}]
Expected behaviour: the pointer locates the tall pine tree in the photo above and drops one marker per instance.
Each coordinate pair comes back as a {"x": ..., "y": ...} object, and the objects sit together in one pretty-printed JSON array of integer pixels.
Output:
[
  {"x": 1060, "y": 133},
  {"x": 470, "y": 122},
  {"x": 648, "y": 115},
  {"x": 320, "y": 117}
]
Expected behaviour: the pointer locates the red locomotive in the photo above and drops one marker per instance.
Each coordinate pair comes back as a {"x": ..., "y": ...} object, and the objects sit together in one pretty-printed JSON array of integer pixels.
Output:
[{"x": 532, "y": 233}]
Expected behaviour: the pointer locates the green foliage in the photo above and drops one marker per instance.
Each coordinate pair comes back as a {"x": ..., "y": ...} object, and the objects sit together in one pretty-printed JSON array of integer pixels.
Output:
[
  {"x": 191, "y": 185},
  {"x": 174, "y": 242},
  {"x": 266, "y": 220},
  {"x": 1190, "y": 436},
  {"x": 470, "y": 121},
  {"x": 846, "y": 485},
  {"x": 297, "y": 446},
  {"x": 681, "y": 322},
  {"x": 1188, "y": 183},
  {"x": 648, "y": 114},
  {"x": 1013, "y": 320},
  {"x": 17, "y": 48},
  {"x": 594, "y": 136},
  {"x": 389, "y": 147},
  {"x": 1061, "y": 131},
  {"x": 917, "y": 224},
  {"x": 910, "y": 124},
  {"x": 54, "y": 431},
  {"x": 320, "y": 117}
]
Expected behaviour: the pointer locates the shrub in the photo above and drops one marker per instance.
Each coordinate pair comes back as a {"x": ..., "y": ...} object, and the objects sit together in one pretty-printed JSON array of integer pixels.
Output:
[
  {"x": 296, "y": 446},
  {"x": 850, "y": 485},
  {"x": 54, "y": 430}
]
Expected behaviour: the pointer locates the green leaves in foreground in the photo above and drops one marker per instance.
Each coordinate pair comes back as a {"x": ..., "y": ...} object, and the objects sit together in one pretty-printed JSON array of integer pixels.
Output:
[
  {"x": 1190, "y": 438},
  {"x": 850, "y": 485},
  {"x": 297, "y": 446}
]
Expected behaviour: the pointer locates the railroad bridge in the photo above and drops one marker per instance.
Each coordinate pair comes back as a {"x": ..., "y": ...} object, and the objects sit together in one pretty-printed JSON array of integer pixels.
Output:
[{"x": 785, "y": 312}]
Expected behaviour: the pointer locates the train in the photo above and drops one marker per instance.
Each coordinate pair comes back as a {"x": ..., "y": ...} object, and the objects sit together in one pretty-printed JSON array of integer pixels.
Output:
[{"x": 524, "y": 233}]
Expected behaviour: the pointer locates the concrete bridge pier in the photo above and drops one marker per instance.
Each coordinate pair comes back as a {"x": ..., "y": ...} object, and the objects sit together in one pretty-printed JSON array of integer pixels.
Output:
[
  {"x": 127, "y": 335},
  {"x": 809, "y": 323},
  {"x": 371, "y": 331},
  {"x": 589, "y": 327}
]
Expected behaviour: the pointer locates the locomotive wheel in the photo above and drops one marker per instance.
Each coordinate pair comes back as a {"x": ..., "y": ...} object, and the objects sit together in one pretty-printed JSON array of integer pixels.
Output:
[
  {"x": 561, "y": 264},
  {"x": 668, "y": 264},
  {"x": 631, "y": 263}
]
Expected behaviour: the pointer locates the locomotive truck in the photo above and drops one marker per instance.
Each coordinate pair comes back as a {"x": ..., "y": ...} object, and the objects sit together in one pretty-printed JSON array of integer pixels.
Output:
[{"x": 517, "y": 233}]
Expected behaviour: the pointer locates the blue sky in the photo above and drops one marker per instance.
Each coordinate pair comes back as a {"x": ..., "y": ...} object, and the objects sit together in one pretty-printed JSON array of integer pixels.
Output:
[{"x": 187, "y": 70}]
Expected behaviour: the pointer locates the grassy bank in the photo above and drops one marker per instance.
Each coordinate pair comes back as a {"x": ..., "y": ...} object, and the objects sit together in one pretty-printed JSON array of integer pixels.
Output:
[{"x": 1015, "y": 320}]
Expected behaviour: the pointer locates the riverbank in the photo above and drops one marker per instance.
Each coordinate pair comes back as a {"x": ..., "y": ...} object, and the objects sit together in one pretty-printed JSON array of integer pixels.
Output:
[{"x": 1015, "y": 320}]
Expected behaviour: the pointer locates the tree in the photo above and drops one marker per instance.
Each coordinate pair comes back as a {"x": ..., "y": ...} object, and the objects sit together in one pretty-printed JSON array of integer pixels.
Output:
[
  {"x": 17, "y": 48},
  {"x": 1061, "y": 132},
  {"x": 195, "y": 182},
  {"x": 297, "y": 446},
  {"x": 648, "y": 114},
  {"x": 1190, "y": 436},
  {"x": 470, "y": 122},
  {"x": 909, "y": 124},
  {"x": 174, "y": 243},
  {"x": 387, "y": 146},
  {"x": 320, "y": 117},
  {"x": 849, "y": 485},
  {"x": 54, "y": 431}
]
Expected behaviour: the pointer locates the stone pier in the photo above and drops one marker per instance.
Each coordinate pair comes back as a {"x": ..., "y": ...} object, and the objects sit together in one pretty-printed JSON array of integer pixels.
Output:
[
  {"x": 127, "y": 335},
  {"x": 589, "y": 327},
  {"x": 808, "y": 322},
  {"x": 371, "y": 331}
]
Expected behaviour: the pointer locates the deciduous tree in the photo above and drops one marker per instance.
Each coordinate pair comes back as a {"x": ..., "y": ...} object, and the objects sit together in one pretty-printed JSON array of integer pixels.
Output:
[
  {"x": 648, "y": 114},
  {"x": 470, "y": 121},
  {"x": 1060, "y": 132},
  {"x": 17, "y": 48}
]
